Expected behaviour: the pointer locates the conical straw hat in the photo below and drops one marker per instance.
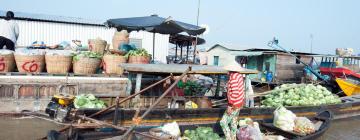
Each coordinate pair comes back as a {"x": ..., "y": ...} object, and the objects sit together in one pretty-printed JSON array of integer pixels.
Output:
[{"x": 234, "y": 66}]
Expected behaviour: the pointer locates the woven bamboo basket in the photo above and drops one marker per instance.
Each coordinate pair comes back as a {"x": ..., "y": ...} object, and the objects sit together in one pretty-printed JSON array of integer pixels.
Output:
[
  {"x": 58, "y": 64},
  {"x": 97, "y": 45},
  {"x": 86, "y": 65},
  {"x": 30, "y": 63},
  {"x": 111, "y": 64},
  {"x": 139, "y": 59},
  {"x": 7, "y": 63}
]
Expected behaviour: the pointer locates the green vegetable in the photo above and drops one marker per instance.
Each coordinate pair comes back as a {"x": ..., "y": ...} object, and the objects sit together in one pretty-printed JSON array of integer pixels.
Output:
[
  {"x": 202, "y": 133},
  {"x": 309, "y": 95},
  {"x": 88, "y": 101},
  {"x": 86, "y": 54},
  {"x": 138, "y": 52}
]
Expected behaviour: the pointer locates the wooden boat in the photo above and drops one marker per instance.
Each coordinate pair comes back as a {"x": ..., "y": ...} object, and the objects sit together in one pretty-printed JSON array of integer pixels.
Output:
[
  {"x": 325, "y": 117},
  {"x": 266, "y": 127},
  {"x": 349, "y": 87},
  {"x": 349, "y": 108}
]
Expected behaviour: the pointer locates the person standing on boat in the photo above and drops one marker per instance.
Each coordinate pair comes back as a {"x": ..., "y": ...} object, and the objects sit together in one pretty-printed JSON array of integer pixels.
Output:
[
  {"x": 9, "y": 32},
  {"x": 236, "y": 97}
]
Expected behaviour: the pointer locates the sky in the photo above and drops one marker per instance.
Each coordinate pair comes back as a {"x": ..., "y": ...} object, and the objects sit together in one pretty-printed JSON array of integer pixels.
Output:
[{"x": 236, "y": 23}]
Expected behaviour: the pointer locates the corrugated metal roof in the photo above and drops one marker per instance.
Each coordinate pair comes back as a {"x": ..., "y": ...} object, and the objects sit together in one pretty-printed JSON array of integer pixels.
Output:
[
  {"x": 53, "y": 18},
  {"x": 245, "y": 53}
]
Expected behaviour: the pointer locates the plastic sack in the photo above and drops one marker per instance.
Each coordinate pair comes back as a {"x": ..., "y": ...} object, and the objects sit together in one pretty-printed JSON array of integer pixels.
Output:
[
  {"x": 249, "y": 131},
  {"x": 6, "y": 52},
  {"x": 304, "y": 126},
  {"x": 284, "y": 119},
  {"x": 190, "y": 104},
  {"x": 243, "y": 133},
  {"x": 26, "y": 51},
  {"x": 172, "y": 128},
  {"x": 60, "y": 52}
]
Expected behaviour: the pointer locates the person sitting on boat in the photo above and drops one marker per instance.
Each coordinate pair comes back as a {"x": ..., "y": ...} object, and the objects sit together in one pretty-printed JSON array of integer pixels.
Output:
[
  {"x": 9, "y": 32},
  {"x": 236, "y": 97}
]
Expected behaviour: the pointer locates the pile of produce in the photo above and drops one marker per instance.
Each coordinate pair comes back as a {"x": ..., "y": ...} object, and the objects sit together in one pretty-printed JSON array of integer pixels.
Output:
[
  {"x": 201, "y": 133},
  {"x": 307, "y": 95},
  {"x": 88, "y": 101},
  {"x": 304, "y": 126},
  {"x": 284, "y": 119},
  {"x": 87, "y": 55},
  {"x": 287, "y": 121},
  {"x": 138, "y": 52}
]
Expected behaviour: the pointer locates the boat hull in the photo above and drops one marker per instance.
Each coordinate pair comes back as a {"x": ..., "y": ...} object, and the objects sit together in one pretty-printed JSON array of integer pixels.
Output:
[
  {"x": 204, "y": 116},
  {"x": 347, "y": 87}
]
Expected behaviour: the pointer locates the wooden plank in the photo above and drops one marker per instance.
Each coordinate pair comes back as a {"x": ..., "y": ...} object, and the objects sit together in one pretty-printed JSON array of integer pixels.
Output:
[{"x": 178, "y": 68}]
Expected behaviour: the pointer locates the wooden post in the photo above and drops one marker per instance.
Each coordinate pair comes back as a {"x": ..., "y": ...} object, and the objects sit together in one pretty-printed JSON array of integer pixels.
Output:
[{"x": 136, "y": 100}]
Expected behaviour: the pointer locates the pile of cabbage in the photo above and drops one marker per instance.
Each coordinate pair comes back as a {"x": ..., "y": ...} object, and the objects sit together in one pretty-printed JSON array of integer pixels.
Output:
[
  {"x": 307, "y": 95},
  {"x": 88, "y": 101},
  {"x": 201, "y": 133}
]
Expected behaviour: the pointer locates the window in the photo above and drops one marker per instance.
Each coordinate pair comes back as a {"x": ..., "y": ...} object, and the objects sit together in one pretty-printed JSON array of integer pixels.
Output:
[
  {"x": 297, "y": 61},
  {"x": 216, "y": 60}
]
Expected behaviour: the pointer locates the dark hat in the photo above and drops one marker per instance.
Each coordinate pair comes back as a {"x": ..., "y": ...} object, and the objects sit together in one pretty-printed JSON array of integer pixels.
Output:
[{"x": 9, "y": 15}]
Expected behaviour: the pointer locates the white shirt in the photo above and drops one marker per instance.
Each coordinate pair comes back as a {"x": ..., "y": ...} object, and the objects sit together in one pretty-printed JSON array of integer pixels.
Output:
[{"x": 9, "y": 29}]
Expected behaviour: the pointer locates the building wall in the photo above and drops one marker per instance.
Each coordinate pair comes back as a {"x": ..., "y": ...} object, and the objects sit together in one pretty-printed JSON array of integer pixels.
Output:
[
  {"x": 161, "y": 44},
  {"x": 259, "y": 63},
  {"x": 53, "y": 33},
  {"x": 287, "y": 70},
  {"x": 224, "y": 56}
]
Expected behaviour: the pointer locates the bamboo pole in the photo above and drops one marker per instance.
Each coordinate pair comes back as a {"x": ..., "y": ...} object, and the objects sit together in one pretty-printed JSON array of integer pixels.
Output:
[
  {"x": 121, "y": 101},
  {"x": 158, "y": 100},
  {"x": 129, "y": 97},
  {"x": 114, "y": 126}
]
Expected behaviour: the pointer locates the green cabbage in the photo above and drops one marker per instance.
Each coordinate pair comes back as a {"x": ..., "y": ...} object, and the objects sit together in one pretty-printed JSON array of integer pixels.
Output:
[
  {"x": 88, "y": 101},
  {"x": 309, "y": 95}
]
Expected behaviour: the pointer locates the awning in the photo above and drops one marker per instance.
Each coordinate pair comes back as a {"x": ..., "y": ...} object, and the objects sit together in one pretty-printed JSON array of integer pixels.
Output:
[{"x": 245, "y": 53}]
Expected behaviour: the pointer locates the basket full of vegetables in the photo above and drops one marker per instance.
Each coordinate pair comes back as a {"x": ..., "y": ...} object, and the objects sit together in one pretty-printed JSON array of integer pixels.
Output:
[
  {"x": 111, "y": 62},
  {"x": 58, "y": 61},
  {"x": 138, "y": 56},
  {"x": 86, "y": 62}
]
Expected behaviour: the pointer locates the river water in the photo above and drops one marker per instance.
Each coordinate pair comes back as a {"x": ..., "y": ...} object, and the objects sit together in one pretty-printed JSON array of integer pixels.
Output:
[{"x": 27, "y": 128}]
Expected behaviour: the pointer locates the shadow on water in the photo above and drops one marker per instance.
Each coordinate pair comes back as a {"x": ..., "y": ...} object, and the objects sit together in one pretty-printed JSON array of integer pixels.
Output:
[
  {"x": 344, "y": 129},
  {"x": 24, "y": 128}
]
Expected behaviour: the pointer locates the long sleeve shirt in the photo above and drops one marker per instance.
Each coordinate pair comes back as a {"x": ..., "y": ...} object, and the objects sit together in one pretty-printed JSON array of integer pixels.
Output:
[
  {"x": 236, "y": 89},
  {"x": 9, "y": 29}
]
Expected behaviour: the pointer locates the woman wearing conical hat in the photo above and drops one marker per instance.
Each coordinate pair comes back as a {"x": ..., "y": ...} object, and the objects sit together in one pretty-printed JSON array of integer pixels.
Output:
[{"x": 236, "y": 98}]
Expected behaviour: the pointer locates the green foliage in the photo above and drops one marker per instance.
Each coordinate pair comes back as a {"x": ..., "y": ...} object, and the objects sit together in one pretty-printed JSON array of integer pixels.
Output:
[
  {"x": 138, "y": 52},
  {"x": 202, "y": 133},
  {"x": 86, "y": 54}
]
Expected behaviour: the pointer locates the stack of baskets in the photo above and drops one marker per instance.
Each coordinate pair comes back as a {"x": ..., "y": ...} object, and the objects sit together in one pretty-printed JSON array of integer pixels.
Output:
[
  {"x": 7, "y": 61},
  {"x": 97, "y": 45},
  {"x": 111, "y": 64},
  {"x": 30, "y": 61},
  {"x": 58, "y": 62}
]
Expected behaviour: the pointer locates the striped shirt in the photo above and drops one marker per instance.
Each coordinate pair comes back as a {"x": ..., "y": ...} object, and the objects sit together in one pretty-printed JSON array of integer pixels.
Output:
[{"x": 236, "y": 89}]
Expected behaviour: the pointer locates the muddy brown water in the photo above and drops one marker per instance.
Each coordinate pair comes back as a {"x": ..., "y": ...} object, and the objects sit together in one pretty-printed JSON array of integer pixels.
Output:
[{"x": 28, "y": 128}]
